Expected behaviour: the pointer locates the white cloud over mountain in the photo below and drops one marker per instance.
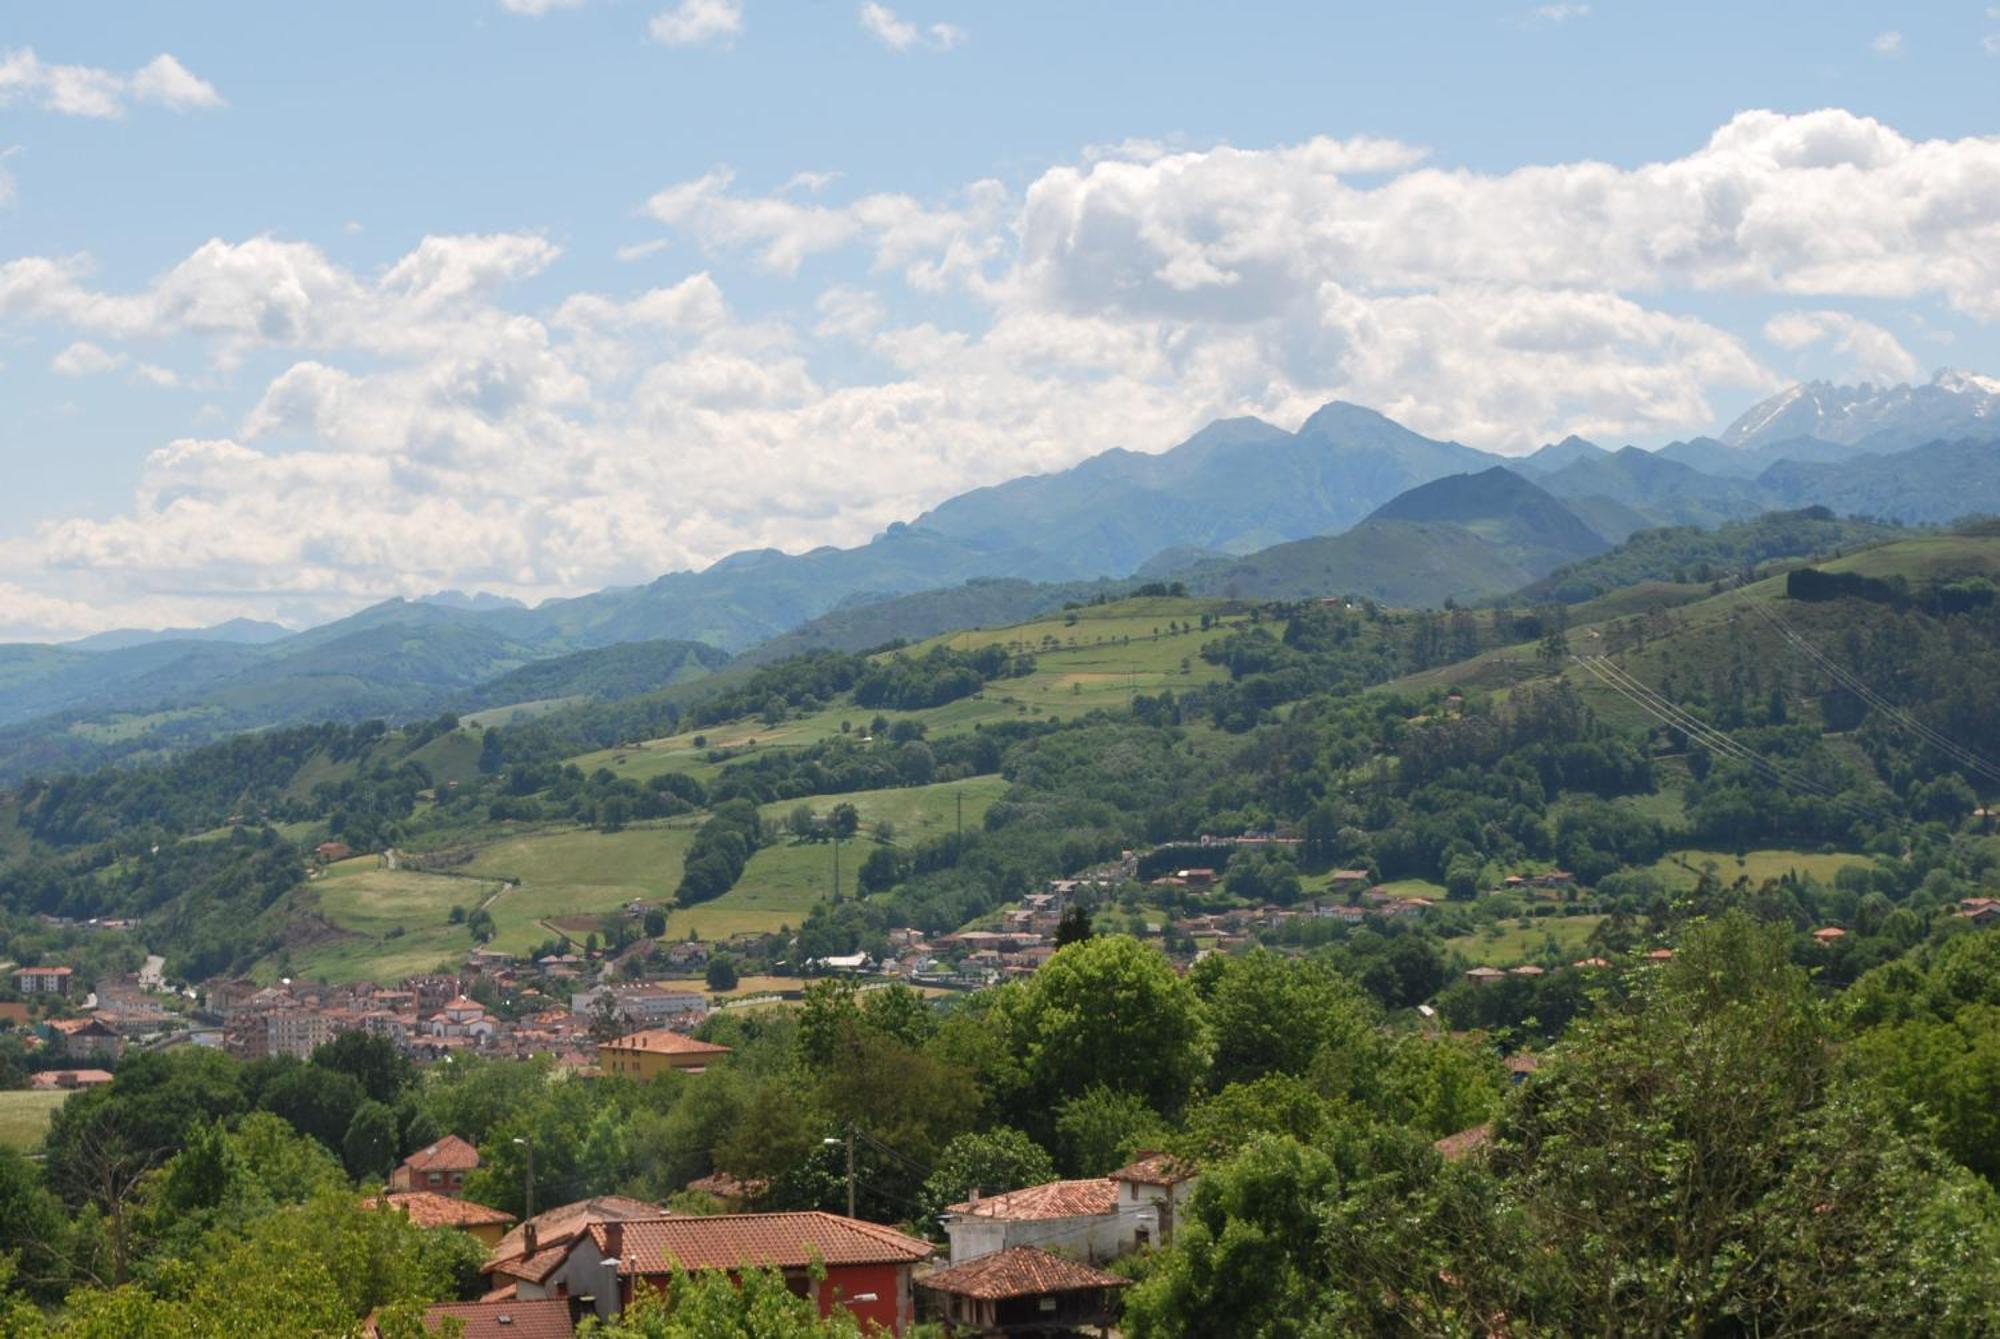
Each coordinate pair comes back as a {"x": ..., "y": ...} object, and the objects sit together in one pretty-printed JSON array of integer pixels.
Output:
[{"x": 429, "y": 428}]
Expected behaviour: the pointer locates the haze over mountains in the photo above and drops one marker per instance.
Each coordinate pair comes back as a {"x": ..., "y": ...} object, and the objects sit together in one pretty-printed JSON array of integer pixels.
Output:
[{"x": 1352, "y": 502}]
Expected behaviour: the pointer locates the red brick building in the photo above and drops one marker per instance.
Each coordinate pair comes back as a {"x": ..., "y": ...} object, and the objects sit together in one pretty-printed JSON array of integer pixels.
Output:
[{"x": 440, "y": 1168}]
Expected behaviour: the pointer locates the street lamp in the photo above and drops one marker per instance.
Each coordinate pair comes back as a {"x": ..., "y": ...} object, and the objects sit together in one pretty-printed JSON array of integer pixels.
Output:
[
  {"x": 849, "y": 1141},
  {"x": 528, "y": 1205}
]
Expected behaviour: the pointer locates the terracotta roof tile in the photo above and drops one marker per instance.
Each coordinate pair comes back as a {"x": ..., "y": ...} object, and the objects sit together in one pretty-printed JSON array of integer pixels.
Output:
[
  {"x": 1465, "y": 1143},
  {"x": 1156, "y": 1169},
  {"x": 561, "y": 1225},
  {"x": 1057, "y": 1199},
  {"x": 663, "y": 1041},
  {"x": 533, "y": 1268},
  {"x": 426, "y": 1208},
  {"x": 1020, "y": 1272},
  {"x": 780, "y": 1240},
  {"x": 508, "y": 1319},
  {"x": 449, "y": 1154}
]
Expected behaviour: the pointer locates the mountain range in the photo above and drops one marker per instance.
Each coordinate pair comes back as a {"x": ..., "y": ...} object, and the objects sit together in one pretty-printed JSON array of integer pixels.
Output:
[{"x": 1351, "y": 502}]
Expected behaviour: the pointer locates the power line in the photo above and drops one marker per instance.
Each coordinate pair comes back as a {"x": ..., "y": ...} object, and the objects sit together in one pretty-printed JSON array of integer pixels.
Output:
[
  {"x": 1951, "y": 748},
  {"x": 1664, "y": 710}
]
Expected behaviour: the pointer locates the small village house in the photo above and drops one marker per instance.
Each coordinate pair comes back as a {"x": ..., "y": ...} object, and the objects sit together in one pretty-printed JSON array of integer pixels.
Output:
[
  {"x": 1020, "y": 1291},
  {"x": 84, "y": 1038},
  {"x": 508, "y": 1319},
  {"x": 868, "y": 1267},
  {"x": 429, "y": 1209},
  {"x": 1081, "y": 1218},
  {"x": 440, "y": 1168},
  {"x": 656, "y": 1051}
]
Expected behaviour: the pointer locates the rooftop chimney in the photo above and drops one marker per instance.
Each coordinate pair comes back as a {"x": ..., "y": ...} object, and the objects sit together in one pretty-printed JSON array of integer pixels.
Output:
[
  {"x": 975, "y": 1194},
  {"x": 614, "y": 1239},
  {"x": 528, "y": 1237}
]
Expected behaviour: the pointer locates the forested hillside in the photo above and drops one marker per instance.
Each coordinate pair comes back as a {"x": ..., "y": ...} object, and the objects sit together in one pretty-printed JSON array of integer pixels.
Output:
[{"x": 1769, "y": 787}]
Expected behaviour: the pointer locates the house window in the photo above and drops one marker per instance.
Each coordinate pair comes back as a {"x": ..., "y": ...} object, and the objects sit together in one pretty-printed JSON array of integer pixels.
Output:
[{"x": 436, "y": 1178}]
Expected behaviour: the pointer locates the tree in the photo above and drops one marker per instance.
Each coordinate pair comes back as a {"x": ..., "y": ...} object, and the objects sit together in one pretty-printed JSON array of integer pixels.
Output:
[
  {"x": 1074, "y": 927},
  {"x": 1099, "y": 1130},
  {"x": 1248, "y": 1253},
  {"x": 845, "y": 820},
  {"x": 1272, "y": 1014},
  {"x": 371, "y": 1060},
  {"x": 880, "y": 871},
  {"x": 989, "y": 1161},
  {"x": 315, "y": 1100},
  {"x": 752, "y": 1303},
  {"x": 1109, "y": 1012},
  {"x": 655, "y": 922},
  {"x": 722, "y": 973},
  {"x": 369, "y": 1150},
  {"x": 479, "y": 923}
]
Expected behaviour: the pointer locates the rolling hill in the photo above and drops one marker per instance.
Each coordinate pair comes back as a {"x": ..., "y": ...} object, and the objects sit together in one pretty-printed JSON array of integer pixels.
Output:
[{"x": 1464, "y": 537}]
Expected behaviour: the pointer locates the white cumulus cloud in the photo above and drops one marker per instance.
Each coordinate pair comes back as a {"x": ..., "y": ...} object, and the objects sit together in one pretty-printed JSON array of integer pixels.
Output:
[
  {"x": 1871, "y": 353},
  {"x": 899, "y": 34},
  {"x": 82, "y": 90},
  {"x": 694, "y": 22},
  {"x": 84, "y": 359},
  {"x": 553, "y": 445}
]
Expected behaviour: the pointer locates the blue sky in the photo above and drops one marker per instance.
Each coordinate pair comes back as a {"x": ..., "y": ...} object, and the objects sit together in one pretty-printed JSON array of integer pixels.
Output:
[{"x": 708, "y": 274}]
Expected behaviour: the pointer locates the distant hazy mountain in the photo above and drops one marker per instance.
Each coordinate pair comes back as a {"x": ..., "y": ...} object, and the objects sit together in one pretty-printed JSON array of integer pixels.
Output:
[
  {"x": 1556, "y": 455},
  {"x": 1619, "y": 492},
  {"x": 1465, "y": 537},
  {"x": 1235, "y": 487},
  {"x": 237, "y": 631},
  {"x": 1938, "y": 482},
  {"x": 605, "y": 674},
  {"x": 1747, "y": 462},
  {"x": 1351, "y": 502},
  {"x": 478, "y": 601},
  {"x": 1952, "y": 404}
]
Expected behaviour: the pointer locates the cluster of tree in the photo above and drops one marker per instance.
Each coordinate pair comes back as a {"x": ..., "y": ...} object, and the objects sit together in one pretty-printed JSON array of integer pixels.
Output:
[
  {"x": 1690, "y": 554},
  {"x": 941, "y": 675},
  {"x": 722, "y": 847},
  {"x": 891, "y": 754}
]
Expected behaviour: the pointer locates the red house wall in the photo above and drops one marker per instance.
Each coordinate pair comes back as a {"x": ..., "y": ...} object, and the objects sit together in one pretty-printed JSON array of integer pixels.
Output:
[{"x": 889, "y": 1283}]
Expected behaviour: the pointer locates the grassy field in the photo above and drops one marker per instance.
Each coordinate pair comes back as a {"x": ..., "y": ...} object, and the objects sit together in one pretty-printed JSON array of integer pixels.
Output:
[
  {"x": 399, "y": 921},
  {"x": 1757, "y": 866},
  {"x": 784, "y": 879},
  {"x": 1100, "y": 660},
  {"x": 1521, "y": 940},
  {"x": 25, "y": 1116},
  {"x": 578, "y": 875}
]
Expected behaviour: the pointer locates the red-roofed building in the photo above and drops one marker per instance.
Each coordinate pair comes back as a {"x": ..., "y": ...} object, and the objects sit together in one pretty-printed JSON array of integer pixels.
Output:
[
  {"x": 441, "y": 1168},
  {"x": 505, "y": 1319},
  {"x": 427, "y": 1208},
  {"x": 1152, "y": 1191},
  {"x": 1829, "y": 934},
  {"x": 63, "y": 1080},
  {"x": 1020, "y": 1291},
  {"x": 649, "y": 1054},
  {"x": 1081, "y": 1217},
  {"x": 867, "y": 1266}
]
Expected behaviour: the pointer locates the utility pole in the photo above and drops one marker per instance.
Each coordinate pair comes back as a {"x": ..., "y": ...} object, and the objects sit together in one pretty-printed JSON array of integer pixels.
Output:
[
  {"x": 528, "y": 1205},
  {"x": 959, "y": 795},
  {"x": 836, "y": 866},
  {"x": 850, "y": 1169}
]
